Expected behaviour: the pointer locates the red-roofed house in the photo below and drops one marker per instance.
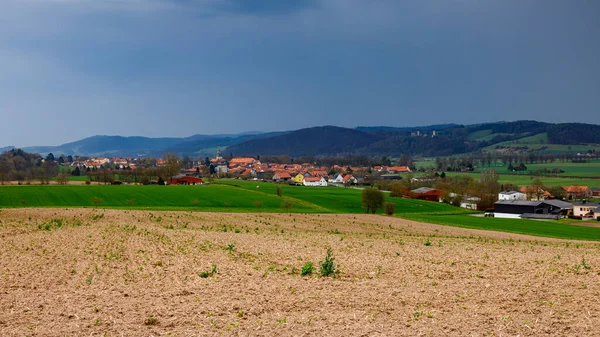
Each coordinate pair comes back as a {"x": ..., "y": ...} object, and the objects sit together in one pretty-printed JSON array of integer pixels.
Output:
[
  {"x": 349, "y": 179},
  {"x": 315, "y": 181},
  {"x": 185, "y": 180},
  {"x": 578, "y": 192},
  {"x": 534, "y": 195},
  {"x": 281, "y": 176},
  {"x": 398, "y": 169}
]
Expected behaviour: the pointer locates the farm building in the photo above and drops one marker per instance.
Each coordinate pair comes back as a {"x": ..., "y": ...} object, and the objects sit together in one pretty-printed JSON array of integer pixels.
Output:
[
  {"x": 426, "y": 193},
  {"x": 531, "y": 209},
  {"x": 185, "y": 180}
]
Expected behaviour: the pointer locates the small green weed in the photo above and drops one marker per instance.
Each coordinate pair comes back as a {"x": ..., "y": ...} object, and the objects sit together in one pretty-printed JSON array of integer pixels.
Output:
[{"x": 308, "y": 269}]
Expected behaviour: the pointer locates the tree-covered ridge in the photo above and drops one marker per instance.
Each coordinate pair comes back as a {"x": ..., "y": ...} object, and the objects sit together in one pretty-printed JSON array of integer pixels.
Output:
[
  {"x": 430, "y": 141},
  {"x": 574, "y": 133}
]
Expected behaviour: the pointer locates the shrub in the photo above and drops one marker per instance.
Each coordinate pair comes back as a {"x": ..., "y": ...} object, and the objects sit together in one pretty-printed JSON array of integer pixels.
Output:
[
  {"x": 151, "y": 321},
  {"x": 327, "y": 266},
  {"x": 279, "y": 191},
  {"x": 96, "y": 201},
  {"x": 62, "y": 179},
  {"x": 308, "y": 269},
  {"x": 396, "y": 190},
  {"x": 389, "y": 208},
  {"x": 87, "y": 182},
  {"x": 286, "y": 206},
  {"x": 372, "y": 199}
]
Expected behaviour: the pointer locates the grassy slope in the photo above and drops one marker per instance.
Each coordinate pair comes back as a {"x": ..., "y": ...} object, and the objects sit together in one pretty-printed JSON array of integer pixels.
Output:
[
  {"x": 531, "y": 227},
  {"x": 339, "y": 199},
  {"x": 479, "y": 134}
]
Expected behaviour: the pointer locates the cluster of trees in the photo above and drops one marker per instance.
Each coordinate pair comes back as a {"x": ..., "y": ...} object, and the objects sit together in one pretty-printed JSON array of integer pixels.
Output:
[
  {"x": 18, "y": 165},
  {"x": 574, "y": 133},
  {"x": 108, "y": 174}
]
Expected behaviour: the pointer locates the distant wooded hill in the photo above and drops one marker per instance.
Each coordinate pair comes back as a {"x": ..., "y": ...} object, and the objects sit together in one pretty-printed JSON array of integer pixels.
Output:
[{"x": 433, "y": 140}]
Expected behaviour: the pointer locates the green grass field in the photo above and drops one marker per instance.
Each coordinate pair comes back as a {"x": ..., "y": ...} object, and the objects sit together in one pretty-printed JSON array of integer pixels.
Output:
[
  {"x": 199, "y": 198},
  {"x": 588, "y": 170},
  {"x": 523, "y": 180},
  {"x": 553, "y": 229},
  {"x": 226, "y": 196},
  {"x": 250, "y": 196}
]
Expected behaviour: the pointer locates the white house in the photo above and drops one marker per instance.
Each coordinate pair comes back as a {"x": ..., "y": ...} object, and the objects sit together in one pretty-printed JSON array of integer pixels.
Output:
[
  {"x": 585, "y": 209},
  {"x": 470, "y": 203},
  {"x": 315, "y": 181},
  {"x": 338, "y": 178},
  {"x": 221, "y": 169},
  {"x": 511, "y": 195}
]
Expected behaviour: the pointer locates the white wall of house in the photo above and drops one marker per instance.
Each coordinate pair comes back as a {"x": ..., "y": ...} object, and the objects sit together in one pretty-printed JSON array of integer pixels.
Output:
[
  {"x": 582, "y": 210},
  {"x": 321, "y": 182},
  {"x": 467, "y": 205},
  {"x": 512, "y": 196},
  {"x": 507, "y": 215}
]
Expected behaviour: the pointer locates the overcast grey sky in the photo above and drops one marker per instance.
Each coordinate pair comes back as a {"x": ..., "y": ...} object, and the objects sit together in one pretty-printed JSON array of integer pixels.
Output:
[{"x": 76, "y": 68}]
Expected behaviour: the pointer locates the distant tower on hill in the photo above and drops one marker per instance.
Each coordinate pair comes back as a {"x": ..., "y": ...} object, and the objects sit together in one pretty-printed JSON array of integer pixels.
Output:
[{"x": 219, "y": 155}]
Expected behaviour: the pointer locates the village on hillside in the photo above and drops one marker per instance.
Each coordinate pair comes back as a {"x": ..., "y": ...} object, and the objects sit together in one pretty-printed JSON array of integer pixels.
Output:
[{"x": 526, "y": 202}]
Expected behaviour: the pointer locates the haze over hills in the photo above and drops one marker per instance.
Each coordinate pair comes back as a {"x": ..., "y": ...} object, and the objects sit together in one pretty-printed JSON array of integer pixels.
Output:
[{"x": 432, "y": 140}]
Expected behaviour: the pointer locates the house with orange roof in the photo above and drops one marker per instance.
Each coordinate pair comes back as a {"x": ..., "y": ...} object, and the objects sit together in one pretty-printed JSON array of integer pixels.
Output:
[
  {"x": 398, "y": 169},
  {"x": 349, "y": 179},
  {"x": 578, "y": 192},
  {"x": 282, "y": 176},
  {"x": 319, "y": 173},
  {"x": 534, "y": 194},
  {"x": 242, "y": 162},
  {"x": 315, "y": 181}
]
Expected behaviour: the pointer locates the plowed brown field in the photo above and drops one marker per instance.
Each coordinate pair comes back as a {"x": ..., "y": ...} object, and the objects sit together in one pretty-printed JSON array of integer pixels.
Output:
[{"x": 83, "y": 272}]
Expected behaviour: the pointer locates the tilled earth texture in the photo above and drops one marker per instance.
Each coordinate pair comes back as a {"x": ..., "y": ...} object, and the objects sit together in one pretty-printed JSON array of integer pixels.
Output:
[{"x": 93, "y": 272}]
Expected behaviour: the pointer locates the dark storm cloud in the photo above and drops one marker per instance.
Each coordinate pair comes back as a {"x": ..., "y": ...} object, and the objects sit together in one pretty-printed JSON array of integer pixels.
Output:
[{"x": 75, "y": 68}]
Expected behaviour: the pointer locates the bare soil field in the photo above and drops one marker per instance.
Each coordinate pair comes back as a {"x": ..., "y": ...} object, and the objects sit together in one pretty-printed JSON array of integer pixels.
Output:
[{"x": 85, "y": 272}]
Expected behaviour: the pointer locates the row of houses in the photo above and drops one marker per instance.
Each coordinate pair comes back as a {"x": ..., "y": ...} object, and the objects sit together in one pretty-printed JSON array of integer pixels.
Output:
[
  {"x": 314, "y": 178},
  {"x": 537, "y": 193}
]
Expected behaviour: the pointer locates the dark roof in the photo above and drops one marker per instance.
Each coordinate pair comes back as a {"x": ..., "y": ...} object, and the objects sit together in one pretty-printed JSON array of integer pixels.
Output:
[
  {"x": 586, "y": 204},
  {"x": 538, "y": 216},
  {"x": 519, "y": 202},
  {"x": 423, "y": 190},
  {"x": 509, "y": 192},
  {"x": 559, "y": 203}
]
